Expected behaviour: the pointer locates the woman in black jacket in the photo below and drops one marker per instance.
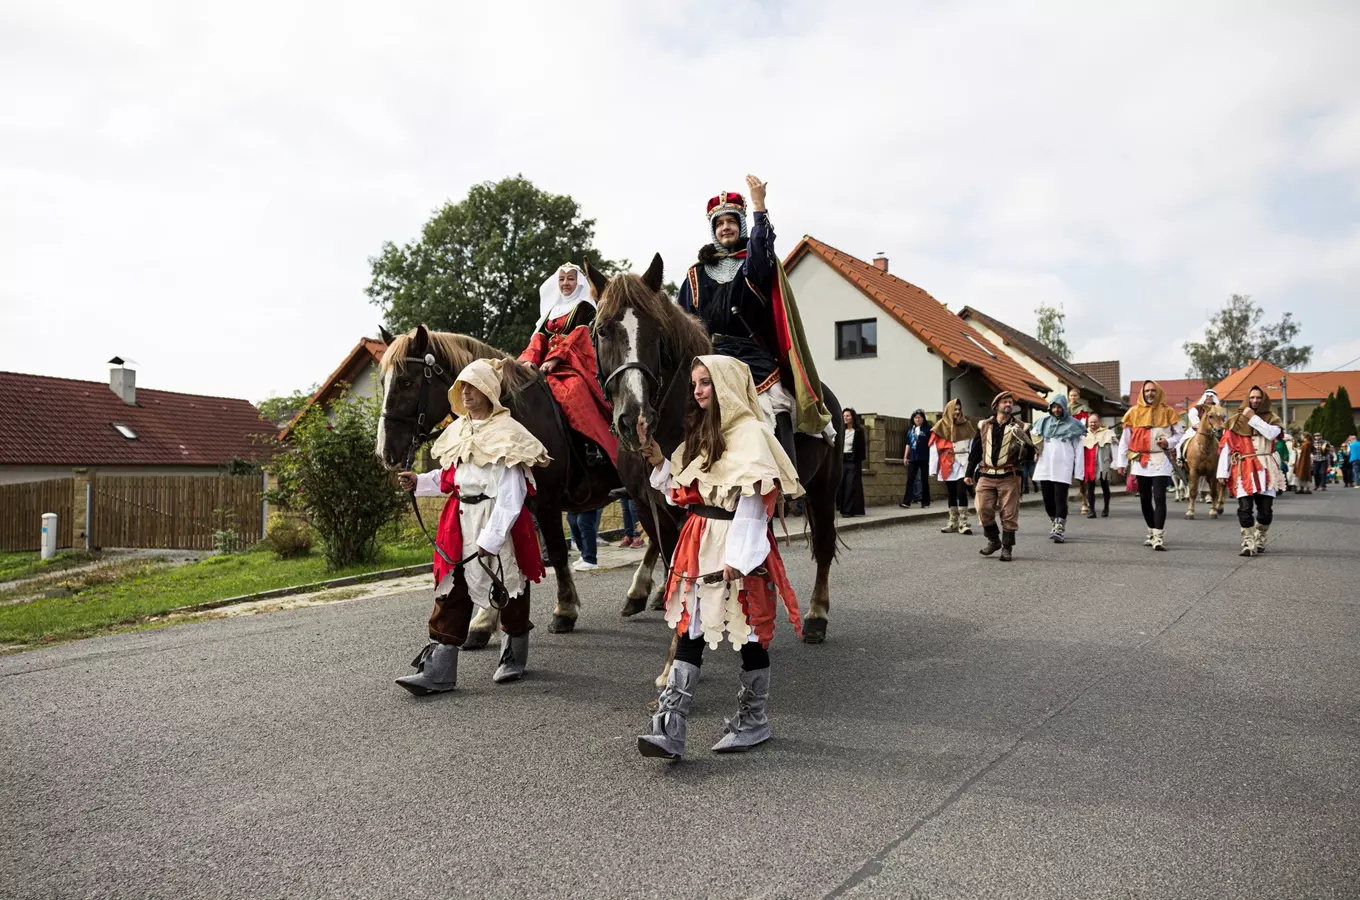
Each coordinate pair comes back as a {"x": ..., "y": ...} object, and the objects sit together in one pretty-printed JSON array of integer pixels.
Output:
[
  {"x": 850, "y": 499},
  {"x": 917, "y": 459}
]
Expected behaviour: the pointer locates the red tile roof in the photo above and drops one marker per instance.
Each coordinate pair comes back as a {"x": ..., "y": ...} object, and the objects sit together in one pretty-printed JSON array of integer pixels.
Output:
[
  {"x": 366, "y": 351},
  {"x": 1328, "y": 382},
  {"x": 1106, "y": 372},
  {"x": 1177, "y": 389},
  {"x": 62, "y": 421},
  {"x": 1301, "y": 385},
  {"x": 927, "y": 318}
]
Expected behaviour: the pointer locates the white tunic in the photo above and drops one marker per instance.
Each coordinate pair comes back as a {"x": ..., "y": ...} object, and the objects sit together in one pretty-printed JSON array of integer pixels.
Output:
[
  {"x": 744, "y": 543},
  {"x": 1270, "y": 475},
  {"x": 1154, "y": 463},
  {"x": 960, "y": 467},
  {"x": 485, "y": 525},
  {"x": 1060, "y": 461}
]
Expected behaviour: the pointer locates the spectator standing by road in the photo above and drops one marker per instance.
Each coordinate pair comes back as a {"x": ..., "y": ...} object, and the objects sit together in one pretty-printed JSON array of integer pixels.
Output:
[
  {"x": 585, "y": 534},
  {"x": 1343, "y": 459},
  {"x": 850, "y": 499},
  {"x": 917, "y": 459},
  {"x": 1354, "y": 461}
]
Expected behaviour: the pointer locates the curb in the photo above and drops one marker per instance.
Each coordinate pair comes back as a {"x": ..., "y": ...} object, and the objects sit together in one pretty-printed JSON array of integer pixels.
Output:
[{"x": 313, "y": 587}]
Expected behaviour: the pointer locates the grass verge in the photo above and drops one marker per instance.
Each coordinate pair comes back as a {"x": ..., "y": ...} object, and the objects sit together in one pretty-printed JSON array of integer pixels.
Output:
[
  {"x": 157, "y": 589},
  {"x": 30, "y": 564}
]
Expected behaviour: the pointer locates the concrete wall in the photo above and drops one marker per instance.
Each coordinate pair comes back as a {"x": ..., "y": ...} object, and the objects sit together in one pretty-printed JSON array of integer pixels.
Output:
[
  {"x": 905, "y": 374},
  {"x": 25, "y": 474}
]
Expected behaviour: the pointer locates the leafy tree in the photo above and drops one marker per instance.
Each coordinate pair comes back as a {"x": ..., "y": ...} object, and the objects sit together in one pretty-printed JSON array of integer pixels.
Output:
[
  {"x": 1051, "y": 328},
  {"x": 1235, "y": 336},
  {"x": 478, "y": 264},
  {"x": 1342, "y": 415},
  {"x": 329, "y": 471},
  {"x": 281, "y": 410}
]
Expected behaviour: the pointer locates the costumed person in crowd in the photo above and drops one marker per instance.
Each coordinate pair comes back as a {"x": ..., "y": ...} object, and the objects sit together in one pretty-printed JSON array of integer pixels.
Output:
[
  {"x": 1196, "y": 413},
  {"x": 1343, "y": 457},
  {"x": 1059, "y": 463},
  {"x": 487, "y": 551},
  {"x": 1080, "y": 414},
  {"x": 916, "y": 457},
  {"x": 1353, "y": 459},
  {"x": 1282, "y": 451},
  {"x": 1322, "y": 460},
  {"x": 951, "y": 442},
  {"x": 726, "y": 573},
  {"x": 1002, "y": 444},
  {"x": 1098, "y": 459},
  {"x": 1303, "y": 463},
  {"x": 850, "y": 499},
  {"x": 562, "y": 349},
  {"x": 739, "y": 290},
  {"x": 1152, "y": 430},
  {"x": 1249, "y": 468}
]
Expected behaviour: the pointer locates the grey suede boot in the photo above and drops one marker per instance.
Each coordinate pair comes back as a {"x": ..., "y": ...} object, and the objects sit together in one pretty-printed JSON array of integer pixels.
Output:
[
  {"x": 667, "y": 737},
  {"x": 1261, "y": 532},
  {"x": 751, "y": 726},
  {"x": 514, "y": 657},
  {"x": 1060, "y": 531},
  {"x": 993, "y": 533},
  {"x": 1248, "y": 542},
  {"x": 953, "y": 524},
  {"x": 964, "y": 527},
  {"x": 437, "y": 670}
]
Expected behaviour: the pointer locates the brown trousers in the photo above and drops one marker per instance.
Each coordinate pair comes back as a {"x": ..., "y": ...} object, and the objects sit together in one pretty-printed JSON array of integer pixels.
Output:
[
  {"x": 999, "y": 495},
  {"x": 452, "y": 614}
]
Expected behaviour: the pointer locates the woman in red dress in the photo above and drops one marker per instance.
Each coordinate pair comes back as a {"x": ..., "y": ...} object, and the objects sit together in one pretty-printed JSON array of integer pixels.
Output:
[
  {"x": 561, "y": 348},
  {"x": 726, "y": 573}
]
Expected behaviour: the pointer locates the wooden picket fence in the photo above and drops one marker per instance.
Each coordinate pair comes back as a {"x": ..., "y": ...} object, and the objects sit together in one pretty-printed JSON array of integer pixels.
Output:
[
  {"x": 21, "y": 511},
  {"x": 176, "y": 512}
]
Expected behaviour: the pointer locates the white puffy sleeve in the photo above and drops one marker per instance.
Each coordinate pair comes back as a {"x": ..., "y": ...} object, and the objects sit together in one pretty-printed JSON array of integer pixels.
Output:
[
  {"x": 1078, "y": 460},
  {"x": 1121, "y": 456},
  {"x": 748, "y": 537},
  {"x": 661, "y": 480},
  {"x": 934, "y": 459},
  {"x": 510, "y": 496},
  {"x": 1177, "y": 435},
  {"x": 1224, "y": 462},
  {"x": 1194, "y": 417},
  {"x": 427, "y": 484},
  {"x": 1264, "y": 428}
]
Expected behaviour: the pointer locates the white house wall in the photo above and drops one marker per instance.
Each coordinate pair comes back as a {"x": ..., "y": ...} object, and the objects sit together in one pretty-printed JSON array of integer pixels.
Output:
[
  {"x": 903, "y": 376},
  {"x": 368, "y": 383},
  {"x": 1043, "y": 374}
]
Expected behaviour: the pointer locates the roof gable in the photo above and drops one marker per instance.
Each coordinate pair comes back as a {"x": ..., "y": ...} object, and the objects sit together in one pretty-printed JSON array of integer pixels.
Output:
[
  {"x": 1301, "y": 385},
  {"x": 64, "y": 421},
  {"x": 950, "y": 337},
  {"x": 368, "y": 350},
  {"x": 1044, "y": 355}
]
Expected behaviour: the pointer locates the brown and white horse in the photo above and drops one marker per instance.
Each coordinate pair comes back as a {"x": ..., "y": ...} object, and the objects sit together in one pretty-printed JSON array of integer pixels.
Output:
[{"x": 1201, "y": 460}]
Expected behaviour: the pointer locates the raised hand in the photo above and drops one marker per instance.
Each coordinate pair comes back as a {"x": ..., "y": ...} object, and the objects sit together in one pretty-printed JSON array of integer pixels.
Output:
[{"x": 756, "y": 187}]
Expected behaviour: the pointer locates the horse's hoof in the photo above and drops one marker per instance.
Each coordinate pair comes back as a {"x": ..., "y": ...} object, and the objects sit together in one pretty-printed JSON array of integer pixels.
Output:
[
  {"x": 633, "y": 605},
  {"x": 476, "y": 640},
  {"x": 814, "y": 631},
  {"x": 658, "y": 603},
  {"x": 562, "y": 625}
]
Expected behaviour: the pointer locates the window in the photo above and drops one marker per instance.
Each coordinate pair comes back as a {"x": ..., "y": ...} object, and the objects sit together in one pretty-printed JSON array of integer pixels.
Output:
[
  {"x": 125, "y": 431},
  {"x": 981, "y": 347},
  {"x": 857, "y": 340}
]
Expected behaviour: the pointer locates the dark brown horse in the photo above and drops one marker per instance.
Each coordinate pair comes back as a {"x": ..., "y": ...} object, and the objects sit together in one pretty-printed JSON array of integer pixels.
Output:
[
  {"x": 418, "y": 369},
  {"x": 646, "y": 345}
]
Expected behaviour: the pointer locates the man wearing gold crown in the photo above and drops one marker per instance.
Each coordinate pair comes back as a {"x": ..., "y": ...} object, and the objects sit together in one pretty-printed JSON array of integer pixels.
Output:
[{"x": 739, "y": 289}]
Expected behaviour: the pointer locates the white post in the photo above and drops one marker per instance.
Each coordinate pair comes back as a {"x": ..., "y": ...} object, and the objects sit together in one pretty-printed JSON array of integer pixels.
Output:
[
  {"x": 1284, "y": 401},
  {"x": 49, "y": 535}
]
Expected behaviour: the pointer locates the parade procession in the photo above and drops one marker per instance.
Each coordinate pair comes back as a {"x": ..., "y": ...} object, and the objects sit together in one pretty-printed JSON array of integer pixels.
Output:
[{"x": 606, "y": 450}]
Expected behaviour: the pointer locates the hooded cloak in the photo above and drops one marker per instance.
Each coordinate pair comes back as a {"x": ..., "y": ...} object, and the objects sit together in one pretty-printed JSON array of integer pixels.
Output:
[
  {"x": 1060, "y": 428},
  {"x": 1151, "y": 415},
  {"x": 484, "y": 442},
  {"x": 950, "y": 430},
  {"x": 1240, "y": 423}
]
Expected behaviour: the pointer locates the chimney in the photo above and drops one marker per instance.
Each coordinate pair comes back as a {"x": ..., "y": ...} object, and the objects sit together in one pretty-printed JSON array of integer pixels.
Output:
[
  {"x": 881, "y": 262},
  {"x": 123, "y": 380}
]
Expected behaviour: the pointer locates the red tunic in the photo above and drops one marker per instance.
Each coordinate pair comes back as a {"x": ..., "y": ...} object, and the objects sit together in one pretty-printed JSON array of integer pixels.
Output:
[
  {"x": 450, "y": 538},
  {"x": 757, "y": 591},
  {"x": 574, "y": 383}
]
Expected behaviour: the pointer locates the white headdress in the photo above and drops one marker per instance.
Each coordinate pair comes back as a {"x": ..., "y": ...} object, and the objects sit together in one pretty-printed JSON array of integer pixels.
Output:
[{"x": 553, "y": 303}]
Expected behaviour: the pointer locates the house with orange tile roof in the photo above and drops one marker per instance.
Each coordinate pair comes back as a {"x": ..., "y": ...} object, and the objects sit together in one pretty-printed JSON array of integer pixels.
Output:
[
  {"x": 1303, "y": 391},
  {"x": 359, "y": 373},
  {"x": 886, "y": 346}
]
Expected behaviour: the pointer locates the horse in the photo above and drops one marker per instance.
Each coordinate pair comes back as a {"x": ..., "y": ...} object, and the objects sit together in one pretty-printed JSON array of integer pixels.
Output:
[
  {"x": 418, "y": 368},
  {"x": 1201, "y": 460},
  {"x": 645, "y": 345}
]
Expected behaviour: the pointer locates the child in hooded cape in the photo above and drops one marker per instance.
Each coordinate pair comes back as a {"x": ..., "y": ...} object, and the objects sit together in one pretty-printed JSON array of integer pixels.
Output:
[
  {"x": 951, "y": 440},
  {"x": 487, "y": 550},
  {"x": 726, "y": 573}
]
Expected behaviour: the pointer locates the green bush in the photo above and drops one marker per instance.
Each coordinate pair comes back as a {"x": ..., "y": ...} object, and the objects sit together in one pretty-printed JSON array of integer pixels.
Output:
[
  {"x": 329, "y": 471},
  {"x": 289, "y": 536}
]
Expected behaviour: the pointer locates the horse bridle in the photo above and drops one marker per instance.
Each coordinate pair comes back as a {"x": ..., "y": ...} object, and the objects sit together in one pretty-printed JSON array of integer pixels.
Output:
[
  {"x": 661, "y": 389},
  {"x": 420, "y": 433}
]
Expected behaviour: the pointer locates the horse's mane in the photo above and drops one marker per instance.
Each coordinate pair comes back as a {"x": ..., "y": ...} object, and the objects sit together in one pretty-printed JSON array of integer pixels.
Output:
[
  {"x": 456, "y": 351},
  {"x": 684, "y": 333}
]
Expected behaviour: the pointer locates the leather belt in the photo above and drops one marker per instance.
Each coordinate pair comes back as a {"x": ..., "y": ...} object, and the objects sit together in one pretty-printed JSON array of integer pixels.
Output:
[
  {"x": 996, "y": 473},
  {"x": 713, "y": 512},
  {"x": 473, "y": 499}
]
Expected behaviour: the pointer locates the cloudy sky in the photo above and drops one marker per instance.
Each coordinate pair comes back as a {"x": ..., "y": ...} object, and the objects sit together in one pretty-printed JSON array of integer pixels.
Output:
[{"x": 198, "y": 186}]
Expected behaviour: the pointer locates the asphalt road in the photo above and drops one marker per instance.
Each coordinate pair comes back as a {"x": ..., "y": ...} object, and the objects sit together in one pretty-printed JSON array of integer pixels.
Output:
[{"x": 1092, "y": 720}]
